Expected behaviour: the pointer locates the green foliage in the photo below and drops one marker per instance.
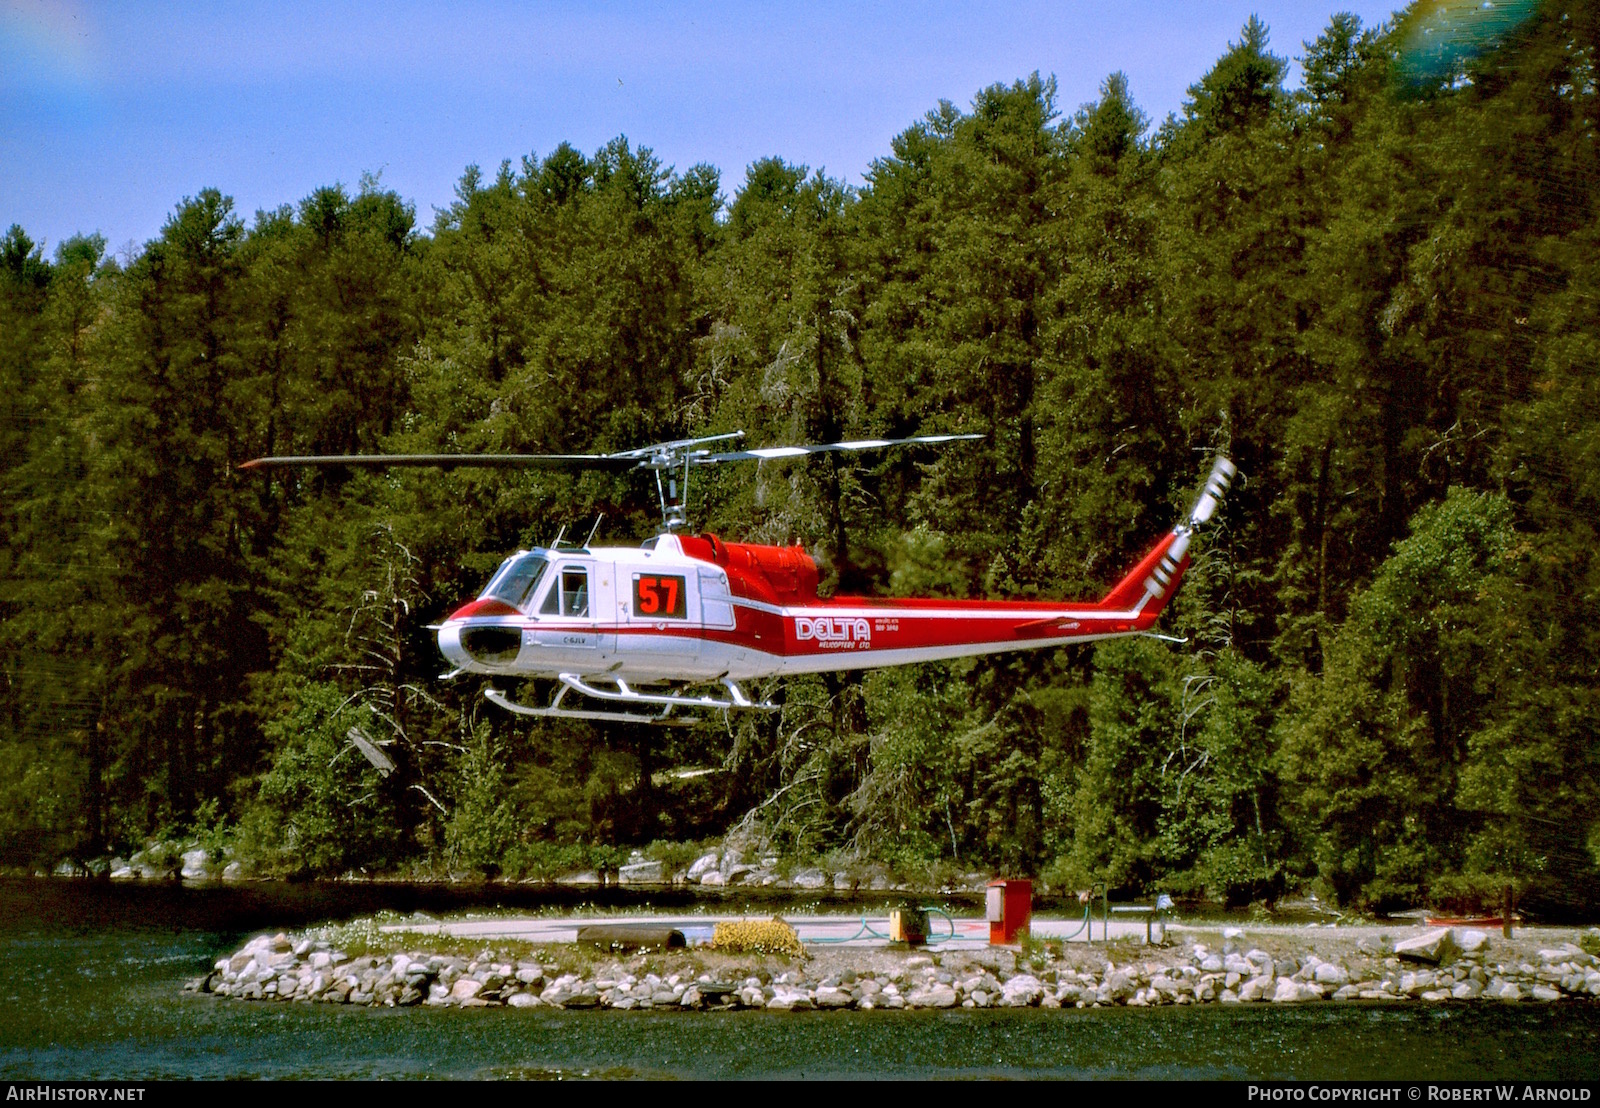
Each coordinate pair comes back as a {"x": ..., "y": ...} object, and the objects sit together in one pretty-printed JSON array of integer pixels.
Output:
[
  {"x": 42, "y": 803},
  {"x": 321, "y": 808},
  {"x": 1243, "y": 88},
  {"x": 1175, "y": 789},
  {"x": 1128, "y": 770},
  {"x": 543, "y": 861},
  {"x": 1378, "y": 743},
  {"x": 674, "y": 857},
  {"x": 904, "y": 810},
  {"x": 1467, "y": 894},
  {"x": 482, "y": 828}
]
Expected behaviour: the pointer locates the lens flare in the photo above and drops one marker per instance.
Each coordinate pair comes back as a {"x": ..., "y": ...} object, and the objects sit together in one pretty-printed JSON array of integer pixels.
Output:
[{"x": 1440, "y": 38}]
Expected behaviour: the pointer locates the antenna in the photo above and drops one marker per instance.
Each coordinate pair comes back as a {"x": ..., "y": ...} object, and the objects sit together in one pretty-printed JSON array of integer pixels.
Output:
[
  {"x": 559, "y": 536},
  {"x": 593, "y": 530}
]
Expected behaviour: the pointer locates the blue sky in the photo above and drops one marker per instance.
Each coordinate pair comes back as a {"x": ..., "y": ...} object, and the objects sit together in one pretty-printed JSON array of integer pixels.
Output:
[{"x": 111, "y": 114}]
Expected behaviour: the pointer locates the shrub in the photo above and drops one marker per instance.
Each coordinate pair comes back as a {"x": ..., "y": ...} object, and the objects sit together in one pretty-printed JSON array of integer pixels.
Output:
[{"x": 771, "y": 936}]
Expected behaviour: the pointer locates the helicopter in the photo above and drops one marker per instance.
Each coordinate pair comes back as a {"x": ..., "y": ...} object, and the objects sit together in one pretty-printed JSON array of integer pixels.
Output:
[{"x": 628, "y": 634}]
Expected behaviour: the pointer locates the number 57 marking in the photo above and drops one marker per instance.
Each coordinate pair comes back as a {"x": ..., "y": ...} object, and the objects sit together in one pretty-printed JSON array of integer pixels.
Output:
[{"x": 659, "y": 597}]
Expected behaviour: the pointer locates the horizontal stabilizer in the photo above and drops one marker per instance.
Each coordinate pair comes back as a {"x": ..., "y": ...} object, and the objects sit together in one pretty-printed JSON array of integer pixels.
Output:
[{"x": 1047, "y": 628}]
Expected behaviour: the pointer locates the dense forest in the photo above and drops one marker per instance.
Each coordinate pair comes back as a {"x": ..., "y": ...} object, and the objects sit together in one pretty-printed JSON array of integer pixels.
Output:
[{"x": 1376, "y": 292}]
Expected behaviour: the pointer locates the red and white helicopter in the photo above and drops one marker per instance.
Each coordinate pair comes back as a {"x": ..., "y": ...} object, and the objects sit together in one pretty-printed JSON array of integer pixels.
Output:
[{"x": 631, "y": 631}]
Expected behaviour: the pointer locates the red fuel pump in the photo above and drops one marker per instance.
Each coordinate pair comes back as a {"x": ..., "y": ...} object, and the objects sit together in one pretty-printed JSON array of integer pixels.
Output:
[{"x": 1010, "y": 908}]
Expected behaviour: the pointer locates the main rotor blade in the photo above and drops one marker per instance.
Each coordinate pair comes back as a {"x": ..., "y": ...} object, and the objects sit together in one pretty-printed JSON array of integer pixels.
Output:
[
  {"x": 449, "y": 461},
  {"x": 768, "y": 452},
  {"x": 661, "y": 455}
]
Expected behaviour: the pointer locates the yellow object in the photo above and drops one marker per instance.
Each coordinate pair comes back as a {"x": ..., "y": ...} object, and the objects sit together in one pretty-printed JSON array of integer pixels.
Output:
[
  {"x": 771, "y": 936},
  {"x": 908, "y": 925}
]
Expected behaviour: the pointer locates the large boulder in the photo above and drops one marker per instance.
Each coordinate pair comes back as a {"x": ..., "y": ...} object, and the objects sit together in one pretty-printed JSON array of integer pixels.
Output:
[
  {"x": 935, "y": 995},
  {"x": 737, "y": 874},
  {"x": 1436, "y": 948},
  {"x": 1331, "y": 973},
  {"x": 640, "y": 873},
  {"x": 1287, "y": 991},
  {"x": 150, "y": 867},
  {"x": 785, "y": 999},
  {"x": 1021, "y": 991},
  {"x": 831, "y": 996},
  {"x": 1119, "y": 985},
  {"x": 1167, "y": 986},
  {"x": 703, "y": 865},
  {"x": 1255, "y": 989}
]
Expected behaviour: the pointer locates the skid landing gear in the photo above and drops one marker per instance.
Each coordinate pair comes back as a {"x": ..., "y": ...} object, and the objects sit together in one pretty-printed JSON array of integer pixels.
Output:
[{"x": 669, "y": 708}]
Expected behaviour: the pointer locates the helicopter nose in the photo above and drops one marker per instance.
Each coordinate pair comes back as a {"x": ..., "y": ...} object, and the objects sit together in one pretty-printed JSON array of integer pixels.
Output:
[
  {"x": 460, "y": 622},
  {"x": 450, "y": 645},
  {"x": 488, "y": 606},
  {"x": 478, "y": 636}
]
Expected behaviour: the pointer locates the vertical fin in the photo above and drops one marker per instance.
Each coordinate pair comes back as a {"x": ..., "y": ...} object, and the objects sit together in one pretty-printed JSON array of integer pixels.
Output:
[{"x": 1150, "y": 584}]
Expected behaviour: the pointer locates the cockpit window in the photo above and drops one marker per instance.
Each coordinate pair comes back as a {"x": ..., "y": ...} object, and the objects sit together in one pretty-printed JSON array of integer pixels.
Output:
[
  {"x": 569, "y": 596},
  {"x": 517, "y": 579}
]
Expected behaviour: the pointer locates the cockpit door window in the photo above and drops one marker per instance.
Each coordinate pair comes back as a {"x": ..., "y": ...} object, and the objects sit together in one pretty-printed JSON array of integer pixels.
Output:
[{"x": 569, "y": 596}]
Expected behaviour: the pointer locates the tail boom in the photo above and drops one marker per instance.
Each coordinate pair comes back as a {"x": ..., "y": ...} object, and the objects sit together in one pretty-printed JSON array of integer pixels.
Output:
[{"x": 863, "y": 633}]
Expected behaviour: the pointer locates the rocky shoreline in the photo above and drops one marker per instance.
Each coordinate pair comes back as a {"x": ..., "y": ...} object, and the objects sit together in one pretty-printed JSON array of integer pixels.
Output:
[
  {"x": 1440, "y": 966},
  {"x": 712, "y": 870}
]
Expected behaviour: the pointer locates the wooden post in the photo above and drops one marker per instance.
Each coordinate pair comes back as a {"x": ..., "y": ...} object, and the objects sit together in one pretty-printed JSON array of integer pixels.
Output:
[
  {"x": 1505, "y": 911},
  {"x": 625, "y": 936}
]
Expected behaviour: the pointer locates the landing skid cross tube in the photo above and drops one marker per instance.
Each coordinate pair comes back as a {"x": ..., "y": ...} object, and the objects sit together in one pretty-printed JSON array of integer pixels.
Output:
[{"x": 622, "y": 694}]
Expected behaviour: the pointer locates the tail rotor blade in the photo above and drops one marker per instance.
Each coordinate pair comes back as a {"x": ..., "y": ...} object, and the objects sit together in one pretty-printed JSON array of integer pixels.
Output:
[{"x": 1217, "y": 483}]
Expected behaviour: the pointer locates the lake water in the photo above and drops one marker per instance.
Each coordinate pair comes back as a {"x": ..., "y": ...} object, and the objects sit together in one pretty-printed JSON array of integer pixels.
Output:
[{"x": 91, "y": 980}]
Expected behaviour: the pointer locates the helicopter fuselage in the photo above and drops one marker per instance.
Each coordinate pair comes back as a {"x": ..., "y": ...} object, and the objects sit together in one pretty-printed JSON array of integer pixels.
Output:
[{"x": 692, "y": 608}]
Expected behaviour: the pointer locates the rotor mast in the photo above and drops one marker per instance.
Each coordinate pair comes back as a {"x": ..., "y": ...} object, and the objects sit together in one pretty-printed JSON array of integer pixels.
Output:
[{"x": 672, "y": 490}]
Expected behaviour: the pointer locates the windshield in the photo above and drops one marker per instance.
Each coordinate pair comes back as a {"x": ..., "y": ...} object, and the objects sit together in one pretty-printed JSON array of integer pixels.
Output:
[{"x": 516, "y": 580}]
